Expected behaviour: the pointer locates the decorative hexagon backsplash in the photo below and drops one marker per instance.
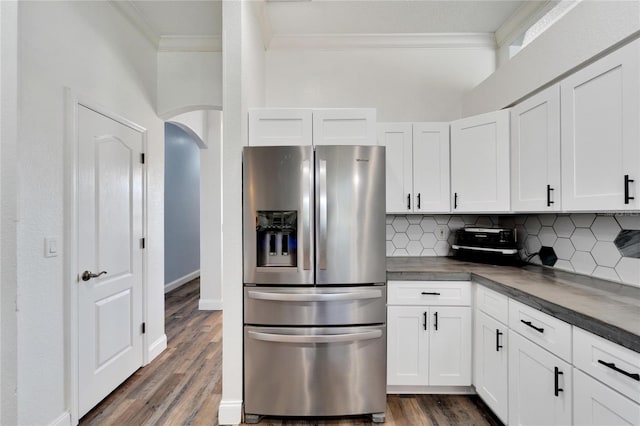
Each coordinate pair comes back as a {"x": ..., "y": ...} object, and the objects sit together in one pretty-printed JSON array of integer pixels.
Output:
[{"x": 602, "y": 245}]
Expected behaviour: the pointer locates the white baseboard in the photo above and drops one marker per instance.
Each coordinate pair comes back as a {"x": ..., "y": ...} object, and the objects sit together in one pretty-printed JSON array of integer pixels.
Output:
[
  {"x": 63, "y": 420},
  {"x": 450, "y": 390},
  {"x": 181, "y": 281},
  {"x": 156, "y": 348},
  {"x": 230, "y": 412},
  {"x": 210, "y": 304}
]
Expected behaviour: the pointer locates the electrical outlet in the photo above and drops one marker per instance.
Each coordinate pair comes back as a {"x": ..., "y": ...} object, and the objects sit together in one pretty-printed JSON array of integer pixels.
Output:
[{"x": 441, "y": 232}]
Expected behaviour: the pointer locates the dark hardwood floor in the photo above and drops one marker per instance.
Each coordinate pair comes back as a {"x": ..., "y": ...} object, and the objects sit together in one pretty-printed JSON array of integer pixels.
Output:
[{"x": 182, "y": 386}]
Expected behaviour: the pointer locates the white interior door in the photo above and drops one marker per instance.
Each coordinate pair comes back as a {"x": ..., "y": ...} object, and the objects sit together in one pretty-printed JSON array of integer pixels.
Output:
[{"x": 110, "y": 226}]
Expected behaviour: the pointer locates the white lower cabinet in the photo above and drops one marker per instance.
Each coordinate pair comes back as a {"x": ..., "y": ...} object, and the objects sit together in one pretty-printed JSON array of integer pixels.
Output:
[
  {"x": 491, "y": 363},
  {"x": 596, "y": 404},
  {"x": 428, "y": 345},
  {"x": 540, "y": 385}
]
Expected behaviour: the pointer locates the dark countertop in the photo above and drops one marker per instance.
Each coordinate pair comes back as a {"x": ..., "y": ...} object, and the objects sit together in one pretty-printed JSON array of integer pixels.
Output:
[{"x": 605, "y": 308}]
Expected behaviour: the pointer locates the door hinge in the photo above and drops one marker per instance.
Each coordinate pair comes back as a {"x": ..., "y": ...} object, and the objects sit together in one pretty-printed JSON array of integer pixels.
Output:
[
  {"x": 144, "y": 327},
  {"x": 142, "y": 242},
  {"x": 142, "y": 158}
]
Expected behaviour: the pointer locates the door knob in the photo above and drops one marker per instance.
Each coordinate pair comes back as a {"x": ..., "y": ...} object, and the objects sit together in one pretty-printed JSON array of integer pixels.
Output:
[{"x": 86, "y": 275}]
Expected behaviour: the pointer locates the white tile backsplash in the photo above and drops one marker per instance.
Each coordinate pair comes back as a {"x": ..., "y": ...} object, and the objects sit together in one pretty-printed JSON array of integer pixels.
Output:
[{"x": 582, "y": 242}]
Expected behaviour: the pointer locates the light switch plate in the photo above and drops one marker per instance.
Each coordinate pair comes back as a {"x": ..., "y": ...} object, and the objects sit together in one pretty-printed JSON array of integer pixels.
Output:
[{"x": 50, "y": 247}]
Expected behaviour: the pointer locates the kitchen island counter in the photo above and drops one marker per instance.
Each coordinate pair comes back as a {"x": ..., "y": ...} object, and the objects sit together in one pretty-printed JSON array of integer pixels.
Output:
[{"x": 605, "y": 308}]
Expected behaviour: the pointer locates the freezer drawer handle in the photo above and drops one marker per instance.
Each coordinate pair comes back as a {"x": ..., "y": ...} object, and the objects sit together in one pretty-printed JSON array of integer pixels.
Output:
[
  {"x": 317, "y": 338},
  {"x": 611, "y": 365},
  {"x": 316, "y": 297}
]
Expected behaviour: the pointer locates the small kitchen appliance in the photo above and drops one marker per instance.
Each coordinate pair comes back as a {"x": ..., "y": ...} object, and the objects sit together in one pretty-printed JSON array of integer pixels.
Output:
[
  {"x": 487, "y": 245},
  {"x": 314, "y": 281}
]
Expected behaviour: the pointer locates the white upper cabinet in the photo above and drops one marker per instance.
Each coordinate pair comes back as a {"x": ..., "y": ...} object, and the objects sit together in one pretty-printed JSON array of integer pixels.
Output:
[
  {"x": 480, "y": 163},
  {"x": 417, "y": 166},
  {"x": 535, "y": 153},
  {"x": 270, "y": 126},
  {"x": 398, "y": 142},
  {"x": 348, "y": 126},
  {"x": 601, "y": 134},
  {"x": 431, "y": 167}
]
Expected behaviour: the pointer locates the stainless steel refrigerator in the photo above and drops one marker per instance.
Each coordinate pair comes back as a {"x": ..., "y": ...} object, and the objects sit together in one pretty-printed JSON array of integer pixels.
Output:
[{"x": 314, "y": 281}]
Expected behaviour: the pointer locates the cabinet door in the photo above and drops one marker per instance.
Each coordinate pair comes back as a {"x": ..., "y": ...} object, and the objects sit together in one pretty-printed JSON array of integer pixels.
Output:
[
  {"x": 480, "y": 163},
  {"x": 601, "y": 133},
  {"x": 431, "y": 167},
  {"x": 535, "y": 153},
  {"x": 490, "y": 363},
  {"x": 539, "y": 385},
  {"x": 407, "y": 345},
  {"x": 396, "y": 137},
  {"x": 450, "y": 346},
  {"x": 272, "y": 127},
  {"x": 349, "y": 126},
  {"x": 595, "y": 404}
]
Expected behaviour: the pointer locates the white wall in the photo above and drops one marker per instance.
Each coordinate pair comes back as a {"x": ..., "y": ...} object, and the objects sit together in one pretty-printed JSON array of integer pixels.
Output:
[
  {"x": 188, "y": 81},
  {"x": 90, "y": 48},
  {"x": 243, "y": 83},
  {"x": 211, "y": 215},
  {"x": 587, "y": 30},
  {"x": 8, "y": 210},
  {"x": 404, "y": 84}
]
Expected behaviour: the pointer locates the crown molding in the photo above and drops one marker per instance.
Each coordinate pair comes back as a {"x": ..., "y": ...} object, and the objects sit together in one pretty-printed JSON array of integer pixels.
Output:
[
  {"x": 354, "y": 41},
  {"x": 525, "y": 16},
  {"x": 133, "y": 15},
  {"x": 190, "y": 44}
]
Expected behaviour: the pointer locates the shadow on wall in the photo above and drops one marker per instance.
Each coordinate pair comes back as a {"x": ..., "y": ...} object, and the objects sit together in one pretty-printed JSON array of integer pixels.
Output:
[{"x": 181, "y": 207}]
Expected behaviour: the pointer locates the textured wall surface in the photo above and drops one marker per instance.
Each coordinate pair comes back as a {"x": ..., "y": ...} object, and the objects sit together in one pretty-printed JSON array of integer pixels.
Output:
[{"x": 602, "y": 245}]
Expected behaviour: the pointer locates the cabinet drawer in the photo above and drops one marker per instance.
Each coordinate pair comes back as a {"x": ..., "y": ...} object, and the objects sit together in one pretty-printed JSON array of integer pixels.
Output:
[
  {"x": 551, "y": 333},
  {"x": 608, "y": 362},
  {"x": 492, "y": 303},
  {"x": 429, "y": 293}
]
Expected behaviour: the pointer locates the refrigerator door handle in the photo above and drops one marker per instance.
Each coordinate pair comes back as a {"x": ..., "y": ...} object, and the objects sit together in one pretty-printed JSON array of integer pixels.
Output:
[
  {"x": 307, "y": 192},
  {"x": 322, "y": 231},
  {"x": 314, "y": 297},
  {"x": 319, "y": 338}
]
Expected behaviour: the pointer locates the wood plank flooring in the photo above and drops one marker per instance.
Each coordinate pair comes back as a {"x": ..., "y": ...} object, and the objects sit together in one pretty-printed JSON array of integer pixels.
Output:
[{"x": 182, "y": 386}]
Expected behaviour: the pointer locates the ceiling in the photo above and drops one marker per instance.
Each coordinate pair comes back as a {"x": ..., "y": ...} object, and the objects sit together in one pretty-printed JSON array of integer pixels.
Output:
[{"x": 167, "y": 18}]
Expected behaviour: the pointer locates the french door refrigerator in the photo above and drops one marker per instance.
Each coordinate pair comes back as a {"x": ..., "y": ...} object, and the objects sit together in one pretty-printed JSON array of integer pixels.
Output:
[{"x": 314, "y": 281}]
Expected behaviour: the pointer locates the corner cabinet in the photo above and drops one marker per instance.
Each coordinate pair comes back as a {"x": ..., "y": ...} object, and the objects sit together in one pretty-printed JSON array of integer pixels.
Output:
[
  {"x": 417, "y": 156},
  {"x": 428, "y": 336},
  {"x": 491, "y": 350},
  {"x": 535, "y": 153},
  {"x": 601, "y": 134},
  {"x": 480, "y": 163}
]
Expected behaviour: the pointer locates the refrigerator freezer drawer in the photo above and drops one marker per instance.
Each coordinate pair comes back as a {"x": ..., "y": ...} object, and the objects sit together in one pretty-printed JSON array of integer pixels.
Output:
[
  {"x": 315, "y": 306},
  {"x": 312, "y": 371}
]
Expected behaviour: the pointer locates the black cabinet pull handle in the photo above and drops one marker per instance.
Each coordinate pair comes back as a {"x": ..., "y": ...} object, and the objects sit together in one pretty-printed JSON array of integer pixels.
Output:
[
  {"x": 549, "y": 202},
  {"x": 627, "y": 181},
  {"x": 431, "y": 293},
  {"x": 538, "y": 329},
  {"x": 418, "y": 201},
  {"x": 455, "y": 200},
  {"x": 611, "y": 365},
  {"x": 408, "y": 201},
  {"x": 557, "y": 389},
  {"x": 424, "y": 322},
  {"x": 498, "y": 334},
  {"x": 435, "y": 323}
]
